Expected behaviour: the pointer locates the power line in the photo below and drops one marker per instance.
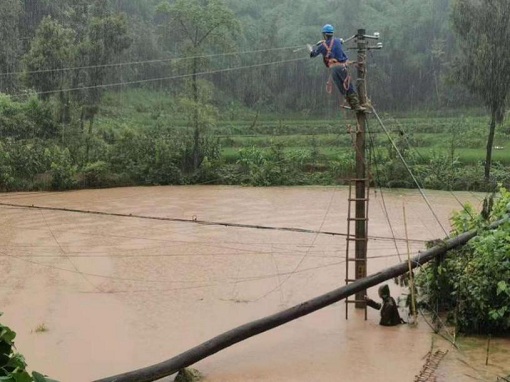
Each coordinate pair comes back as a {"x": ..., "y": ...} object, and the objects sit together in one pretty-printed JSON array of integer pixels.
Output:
[
  {"x": 102, "y": 86},
  {"x": 192, "y": 221},
  {"x": 179, "y": 220},
  {"x": 385, "y": 209},
  {"x": 124, "y": 256},
  {"x": 48, "y": 252},
  {"x": 142, "y": 62},
  {"x": 64, "y": 253},
  {"x": 421, "y": 156},
  {"x": 168, "y": 281},
  {"x": 415, "y": 150},
  {"x": 410, "y": 172},
  {"x": 305, "y": 255},
  {"x": 235, "y": 282},
  {"x": 243, "y": 280}
]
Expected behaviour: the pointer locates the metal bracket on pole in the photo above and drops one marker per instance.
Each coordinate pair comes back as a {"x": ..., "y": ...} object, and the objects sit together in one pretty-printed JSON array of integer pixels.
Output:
[
  {"x": 376, "y": 36},
  {"x": 362, "y": 37}
]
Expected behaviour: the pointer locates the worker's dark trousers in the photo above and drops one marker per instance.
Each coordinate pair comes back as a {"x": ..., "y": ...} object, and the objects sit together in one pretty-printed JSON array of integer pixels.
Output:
[{"x": 339, "y": 74}]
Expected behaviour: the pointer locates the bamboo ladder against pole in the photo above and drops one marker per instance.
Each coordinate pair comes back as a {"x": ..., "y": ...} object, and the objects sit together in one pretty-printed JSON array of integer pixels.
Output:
[
  {"x": 362, "y": 184},
  {"x": 362, "y": 181}
]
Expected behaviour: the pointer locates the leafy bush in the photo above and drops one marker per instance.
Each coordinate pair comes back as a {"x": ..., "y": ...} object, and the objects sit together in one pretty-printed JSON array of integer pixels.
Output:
[
  {"x": 95, "y": 174},
  {"x": 440, "y": 172},
  {"x": 474, "y": 281},
  {"x": 6, "y": 173},
  {"x": 256, "y": 168},
  {"x": 273, "y": 167},
  {"x": 20, "y": 163},
  {"x": 27, "y": 158},
  {"x": 26, "y": 120},
  {"x": 62, "y": 169},
  {"x": 147, "y": 158},
  {"x": 344, "y": 165}
]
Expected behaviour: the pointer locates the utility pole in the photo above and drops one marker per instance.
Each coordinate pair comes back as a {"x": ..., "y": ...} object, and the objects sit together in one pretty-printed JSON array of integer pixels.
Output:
[
  {"x": 362, "y": 181},
  {"x": 361, "y": 222}
]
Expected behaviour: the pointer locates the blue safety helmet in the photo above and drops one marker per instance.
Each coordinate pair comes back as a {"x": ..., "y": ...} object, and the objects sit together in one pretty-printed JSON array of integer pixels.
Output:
[{"x": 328, "y": 29}]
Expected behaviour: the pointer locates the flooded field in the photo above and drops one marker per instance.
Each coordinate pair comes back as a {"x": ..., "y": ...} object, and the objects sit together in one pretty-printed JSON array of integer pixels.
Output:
[{"x": 95, "y": 295}]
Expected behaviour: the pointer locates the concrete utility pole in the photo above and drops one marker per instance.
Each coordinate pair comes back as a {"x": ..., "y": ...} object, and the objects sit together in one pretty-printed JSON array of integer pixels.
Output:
[{"x": 362, "y": 179}]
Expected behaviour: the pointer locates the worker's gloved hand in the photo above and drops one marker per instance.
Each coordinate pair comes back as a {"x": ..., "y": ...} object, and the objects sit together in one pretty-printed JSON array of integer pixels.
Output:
[
  {"x": 309, "y": 47},
  {"x": 371, "y": 303}
]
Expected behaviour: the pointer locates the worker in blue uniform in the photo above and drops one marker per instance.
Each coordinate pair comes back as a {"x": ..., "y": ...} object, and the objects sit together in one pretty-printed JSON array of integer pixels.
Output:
[{"x": 335, "y": 59}]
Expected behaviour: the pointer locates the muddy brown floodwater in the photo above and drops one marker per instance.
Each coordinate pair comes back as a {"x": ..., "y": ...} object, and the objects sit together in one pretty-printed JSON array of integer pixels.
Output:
[{"x": 93, "y": 295}]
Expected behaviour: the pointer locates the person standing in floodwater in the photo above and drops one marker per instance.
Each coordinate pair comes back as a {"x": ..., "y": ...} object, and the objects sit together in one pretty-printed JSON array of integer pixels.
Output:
[
  {"x": 389, "y": 309},
  {"x": 335, "y": 59}
]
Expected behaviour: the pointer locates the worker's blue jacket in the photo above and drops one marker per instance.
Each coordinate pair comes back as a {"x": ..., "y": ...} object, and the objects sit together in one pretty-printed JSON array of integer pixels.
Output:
[{"x": 331, "y": 50}]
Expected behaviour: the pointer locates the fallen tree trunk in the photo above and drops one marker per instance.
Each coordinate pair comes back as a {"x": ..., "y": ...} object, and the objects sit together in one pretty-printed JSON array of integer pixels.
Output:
[{"x": 243, "y": 332}]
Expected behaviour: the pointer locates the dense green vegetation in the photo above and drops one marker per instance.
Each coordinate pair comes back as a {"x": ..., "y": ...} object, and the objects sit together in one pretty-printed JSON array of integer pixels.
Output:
[
  {"x": 138, "y": 140},
  {"x": 472, "y": 283},
  {"x": 110, "y": 93}
]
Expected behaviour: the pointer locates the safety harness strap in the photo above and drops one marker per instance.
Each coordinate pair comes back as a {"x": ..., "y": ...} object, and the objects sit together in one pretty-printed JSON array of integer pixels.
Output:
[{"x": 327, "y": 57}]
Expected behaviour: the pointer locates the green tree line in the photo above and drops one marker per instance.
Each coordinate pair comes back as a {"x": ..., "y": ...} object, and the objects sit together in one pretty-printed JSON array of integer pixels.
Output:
[
  {"x": 409, "y": 72},
  {"x": 210, "y": 58}
]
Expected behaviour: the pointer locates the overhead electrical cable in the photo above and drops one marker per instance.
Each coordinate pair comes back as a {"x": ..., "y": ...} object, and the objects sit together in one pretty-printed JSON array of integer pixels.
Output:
[
  {"x": 280, "y": 284},
  {"x": 167, "y": 281},
  {"x": 144, "y": 62},
  {"x": 192, "y": 221},
  {"x": 103, "y": 86},
  {"x": 412, "y": 148},
  {"x": 404, "y": 162},
  {"x": 65, "y": 255},
  {"x": 385, "y": 209},
  {"x": 116, "y": 255}
]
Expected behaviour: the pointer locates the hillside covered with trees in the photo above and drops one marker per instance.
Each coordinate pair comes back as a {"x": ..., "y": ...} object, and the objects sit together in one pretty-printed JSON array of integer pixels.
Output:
[{"x": 108, "y": 93}]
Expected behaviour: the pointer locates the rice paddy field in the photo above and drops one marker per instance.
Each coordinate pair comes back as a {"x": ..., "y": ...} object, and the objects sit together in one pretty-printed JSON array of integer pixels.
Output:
[{"x": 459, "y": 134}]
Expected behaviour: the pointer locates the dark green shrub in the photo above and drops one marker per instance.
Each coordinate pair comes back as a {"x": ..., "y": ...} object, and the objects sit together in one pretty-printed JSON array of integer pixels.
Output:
[
  {"x": 28, "y": 120},
  {"x": 7, "y": 180},
  {"x": 94, "y": 174},
  {"x": 62, "y": 169},
  {"x": 474, "y": 282}
]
